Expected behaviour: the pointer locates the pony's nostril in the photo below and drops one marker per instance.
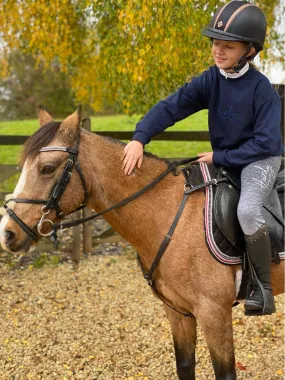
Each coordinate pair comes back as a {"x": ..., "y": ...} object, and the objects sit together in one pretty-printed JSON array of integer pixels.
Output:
[{"x": 10, "y": 236}]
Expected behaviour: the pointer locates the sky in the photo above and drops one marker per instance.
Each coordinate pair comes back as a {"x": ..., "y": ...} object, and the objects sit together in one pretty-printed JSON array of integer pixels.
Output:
[{"x": 276, "y": 75}]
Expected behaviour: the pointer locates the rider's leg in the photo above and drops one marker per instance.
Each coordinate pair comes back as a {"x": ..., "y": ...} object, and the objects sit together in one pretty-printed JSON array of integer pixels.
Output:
[{"x": 257, "y": 180}]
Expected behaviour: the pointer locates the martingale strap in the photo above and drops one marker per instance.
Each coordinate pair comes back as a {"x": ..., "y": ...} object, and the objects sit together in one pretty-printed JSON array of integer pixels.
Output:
[
  {"x": 149, "y": 276},
  {"x": 188, "y": 189}
]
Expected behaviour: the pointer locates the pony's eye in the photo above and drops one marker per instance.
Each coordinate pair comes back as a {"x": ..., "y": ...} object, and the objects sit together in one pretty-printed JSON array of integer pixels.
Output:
[{"x": 47, "y": 169}]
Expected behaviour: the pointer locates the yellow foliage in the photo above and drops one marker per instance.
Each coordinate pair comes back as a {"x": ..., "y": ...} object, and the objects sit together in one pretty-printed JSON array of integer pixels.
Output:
[{"x": 117, "y": 50}]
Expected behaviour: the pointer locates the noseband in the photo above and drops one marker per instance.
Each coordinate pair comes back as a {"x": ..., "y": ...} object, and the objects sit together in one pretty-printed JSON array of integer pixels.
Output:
[{"x": 53, "y": 201}]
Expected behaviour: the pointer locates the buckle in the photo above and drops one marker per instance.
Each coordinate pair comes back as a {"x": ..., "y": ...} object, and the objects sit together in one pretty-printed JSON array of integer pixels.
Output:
[
  {"x": 187, "y": 185},
  {"x": 148, "y": 279}
]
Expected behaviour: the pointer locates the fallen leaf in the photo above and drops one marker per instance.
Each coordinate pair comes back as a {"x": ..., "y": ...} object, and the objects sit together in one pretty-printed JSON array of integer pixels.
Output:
[{"x": 240, "y": 366}]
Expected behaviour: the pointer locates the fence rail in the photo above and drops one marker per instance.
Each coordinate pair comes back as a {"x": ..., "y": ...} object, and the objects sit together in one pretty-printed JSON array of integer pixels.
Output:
[{"x": 166, "y": 136}]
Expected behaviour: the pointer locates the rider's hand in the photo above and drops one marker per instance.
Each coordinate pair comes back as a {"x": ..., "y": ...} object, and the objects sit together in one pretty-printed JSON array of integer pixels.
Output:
[
  {"x": 206, "y": 157},
  {"x": 133, "y": 155}
]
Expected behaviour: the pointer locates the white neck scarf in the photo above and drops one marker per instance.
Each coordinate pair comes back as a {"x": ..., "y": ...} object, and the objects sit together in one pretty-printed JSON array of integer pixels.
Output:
[{"x": 235, "y": 75}]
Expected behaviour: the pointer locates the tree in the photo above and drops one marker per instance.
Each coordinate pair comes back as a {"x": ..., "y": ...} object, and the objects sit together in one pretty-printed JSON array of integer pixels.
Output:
[
  {"x": 26, "y": 87},
  {"x": 128, "y": 53}
]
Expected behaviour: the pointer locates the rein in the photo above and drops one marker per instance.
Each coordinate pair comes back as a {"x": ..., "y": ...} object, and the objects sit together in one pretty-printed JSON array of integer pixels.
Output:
[
  {"x": 53, "y": 202},
  {"x": 171, "y": 168}
]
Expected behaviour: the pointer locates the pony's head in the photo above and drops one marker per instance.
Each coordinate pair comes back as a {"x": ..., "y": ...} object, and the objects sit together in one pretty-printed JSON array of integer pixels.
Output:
[{"x": 49, "y": 187}]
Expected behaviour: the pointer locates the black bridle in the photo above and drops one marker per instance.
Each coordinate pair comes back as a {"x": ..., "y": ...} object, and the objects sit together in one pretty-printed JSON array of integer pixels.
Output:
[{"x": 53, "y": 201}]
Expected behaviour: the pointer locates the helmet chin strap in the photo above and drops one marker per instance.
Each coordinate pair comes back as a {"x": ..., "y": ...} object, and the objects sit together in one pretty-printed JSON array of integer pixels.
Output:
[{"x": 243, "y": 60}]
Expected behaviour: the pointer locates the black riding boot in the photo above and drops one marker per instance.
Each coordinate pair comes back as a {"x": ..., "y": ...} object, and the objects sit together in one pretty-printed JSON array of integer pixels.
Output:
[{"x": 259, "y": 300}]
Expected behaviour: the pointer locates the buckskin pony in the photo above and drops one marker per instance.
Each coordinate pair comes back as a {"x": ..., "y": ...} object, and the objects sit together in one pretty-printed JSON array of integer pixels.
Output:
[{"x": 187, "y": 276}]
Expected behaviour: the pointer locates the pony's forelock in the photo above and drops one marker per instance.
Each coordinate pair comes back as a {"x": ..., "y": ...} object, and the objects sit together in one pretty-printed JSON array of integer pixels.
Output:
[{"x": 42, "y": 137}]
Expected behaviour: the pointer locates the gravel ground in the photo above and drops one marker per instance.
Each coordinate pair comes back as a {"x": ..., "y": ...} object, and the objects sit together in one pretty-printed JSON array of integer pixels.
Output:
[{"x": 101, "y": 322}]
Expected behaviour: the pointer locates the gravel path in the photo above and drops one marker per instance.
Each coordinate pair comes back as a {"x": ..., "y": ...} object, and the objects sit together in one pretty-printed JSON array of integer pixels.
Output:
[{"x": 101, "y": 322}]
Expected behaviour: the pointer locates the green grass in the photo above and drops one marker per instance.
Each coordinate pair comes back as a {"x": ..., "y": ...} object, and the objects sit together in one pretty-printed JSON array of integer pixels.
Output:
[
  {"x": 9, "y": 154},
  {"x": 197, "y": 122},
  {"x": 173, "y": 149}
]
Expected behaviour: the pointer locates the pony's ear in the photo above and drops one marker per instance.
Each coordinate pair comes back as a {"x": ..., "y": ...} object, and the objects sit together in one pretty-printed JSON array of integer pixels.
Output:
[
  {"x": 71, "y": 124},
  {"x": 44, "y": 117}
]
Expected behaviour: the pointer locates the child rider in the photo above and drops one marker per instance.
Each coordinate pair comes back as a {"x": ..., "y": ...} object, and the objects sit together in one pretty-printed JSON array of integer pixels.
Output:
[{"x": 244, "y": 125}]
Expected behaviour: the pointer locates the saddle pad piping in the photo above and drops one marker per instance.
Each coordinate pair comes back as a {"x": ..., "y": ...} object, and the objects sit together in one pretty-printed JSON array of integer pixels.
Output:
[{"x": 216, "y": 252}]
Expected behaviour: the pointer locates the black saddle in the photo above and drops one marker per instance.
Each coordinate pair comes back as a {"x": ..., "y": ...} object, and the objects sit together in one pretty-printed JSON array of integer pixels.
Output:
[{"x": 226, "y": 198}]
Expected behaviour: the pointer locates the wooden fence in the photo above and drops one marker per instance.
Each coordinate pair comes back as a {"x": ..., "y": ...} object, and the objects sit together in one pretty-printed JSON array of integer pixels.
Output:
[
  {"x": 85, "y": 238},
  {"x": 82, "y": 235}
]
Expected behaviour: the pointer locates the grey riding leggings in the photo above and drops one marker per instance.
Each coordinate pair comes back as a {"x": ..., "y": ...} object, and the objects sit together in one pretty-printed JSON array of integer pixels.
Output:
[{"x": 257, "y": 180}]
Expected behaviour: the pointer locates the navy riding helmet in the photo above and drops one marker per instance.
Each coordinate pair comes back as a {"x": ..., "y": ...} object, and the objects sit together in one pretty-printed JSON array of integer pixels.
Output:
[{"x": 239, "y": 21}]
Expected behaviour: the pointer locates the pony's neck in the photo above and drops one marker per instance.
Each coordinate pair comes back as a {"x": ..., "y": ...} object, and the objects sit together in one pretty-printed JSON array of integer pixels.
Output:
[{"x": 101, "y": 161}]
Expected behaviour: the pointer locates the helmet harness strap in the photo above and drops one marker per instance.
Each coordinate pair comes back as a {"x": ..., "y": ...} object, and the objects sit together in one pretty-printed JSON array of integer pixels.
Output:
[{"x": 243, "y": 60}]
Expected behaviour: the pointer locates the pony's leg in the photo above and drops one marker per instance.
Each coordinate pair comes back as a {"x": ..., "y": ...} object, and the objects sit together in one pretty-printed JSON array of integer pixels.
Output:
[
  {"x": 184, "y": 337},
  {"x": 216, "y": 323}
]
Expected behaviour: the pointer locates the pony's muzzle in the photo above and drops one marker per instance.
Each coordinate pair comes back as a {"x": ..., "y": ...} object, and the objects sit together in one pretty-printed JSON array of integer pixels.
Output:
[
  {"x": 10, "y": 241},
  {"x": 10, "y": 237}
]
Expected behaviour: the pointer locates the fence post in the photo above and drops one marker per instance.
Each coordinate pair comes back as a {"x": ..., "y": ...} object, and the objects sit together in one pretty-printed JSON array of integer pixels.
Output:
[
  {"x": 76, "y": 243},
  {"x": 87, "y": 226},
  {"x": 280, "y": 88}
]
